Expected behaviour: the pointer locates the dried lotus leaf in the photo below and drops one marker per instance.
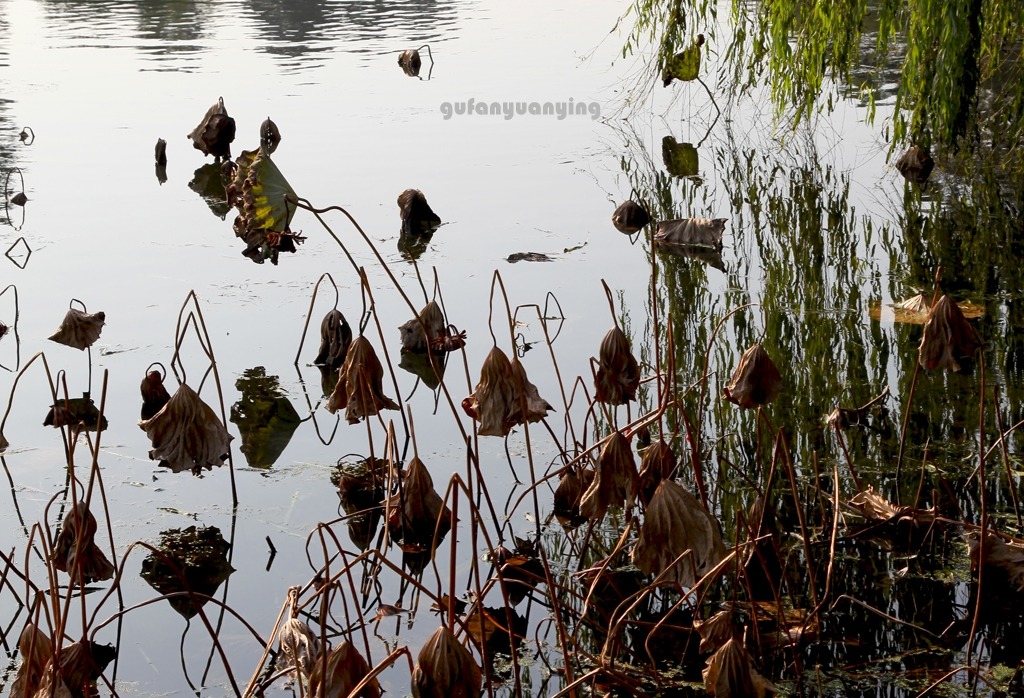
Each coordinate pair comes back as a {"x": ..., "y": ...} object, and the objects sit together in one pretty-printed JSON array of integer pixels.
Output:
[
  {"x": 702, "y": 232},
  {"x": 618, "y": 374},
  {"x": 615, "y": 479},
  {"x": 345, "y": 669},
  {"x": 298, "y": 648},
  {"x": 947, "y": 337},
  {"x": 360, "y": 387},
  {"x": 424, "y": 329},
  {"x": 730, "y": 673},
  {"x": 446, "y": 669},
  {"x": 756, "y": 380},
  {"x": 187, "y": 434},
  {"x": 79, "y": 329}
]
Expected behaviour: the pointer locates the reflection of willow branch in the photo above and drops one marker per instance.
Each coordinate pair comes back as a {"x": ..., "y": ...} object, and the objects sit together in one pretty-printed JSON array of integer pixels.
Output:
[
  {"x": 197, "y": 320},
  {"x": 309, "y": 314},
  {"x": 312, "y": 412}
]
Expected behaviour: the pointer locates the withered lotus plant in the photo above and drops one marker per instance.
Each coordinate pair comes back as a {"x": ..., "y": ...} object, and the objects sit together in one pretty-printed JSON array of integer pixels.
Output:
[
  {"x": 187, "y": 434},
  {"x": 915, "y": 164},
  {"x": 615, "y": 479},
  {"x": 410, "y": 62},
  {"x": 716, "y": 630},
  {"x": 35, "y": 649},
  {"x": 756, "y": 380},
  {"x": 657, "y": 464},
  {"x": 496, "y": 403},
  {"x": 335, "y": 338},
  {"x": 417, "y": 216},
  {"x": 79, "y": 329},
  {"x": 947, "y": 337},
  {"x": 570, "y": 490},
  {"x": 418, "y": 509},
  {"x": 360, "y": 387},
  {"x": 298, "y": 649},
  {"x": 215, "y": 133},
  {"x": 446, "y": 669},
  {"x": 76, "y": 552},
  {"x": 423, "y": 329},
  {"x": 676, "y": 522},
  {"x": 730, "y": 673},
  {"x": 154, "y": 394},
  {"x": 618, "y": 375},
  {"x": 81, "y": 664},
  {"x": 1004, "y": 558},
  {"x": 345, "y": 668}
]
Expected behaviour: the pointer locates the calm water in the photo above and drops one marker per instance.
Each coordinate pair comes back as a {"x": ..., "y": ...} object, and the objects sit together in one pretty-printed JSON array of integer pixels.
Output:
[{"x": 818, "y": 233}]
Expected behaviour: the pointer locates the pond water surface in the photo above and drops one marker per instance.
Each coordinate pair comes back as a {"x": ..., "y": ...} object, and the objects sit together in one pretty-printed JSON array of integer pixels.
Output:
[{"x": 820, "y": 231}]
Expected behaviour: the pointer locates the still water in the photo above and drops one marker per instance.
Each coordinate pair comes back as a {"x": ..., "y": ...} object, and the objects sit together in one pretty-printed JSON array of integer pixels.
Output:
[{"x": 817, "y": 235}]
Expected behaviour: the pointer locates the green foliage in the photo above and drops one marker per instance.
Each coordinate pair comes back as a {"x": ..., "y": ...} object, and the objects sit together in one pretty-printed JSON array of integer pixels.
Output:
[{"x": 958, "y": 65}]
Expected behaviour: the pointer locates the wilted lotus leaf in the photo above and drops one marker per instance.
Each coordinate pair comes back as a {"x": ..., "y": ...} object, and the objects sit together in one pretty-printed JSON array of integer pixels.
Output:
[
  {"x": 490, "y": 627},
  {"x": 335, "y": 338},
  {"x": 35, "y": 649},
  {"x": 495, "y": 402},
  {"x": 154, "y": 394},
  {"x": 75, "y": 551},
  {"x": 520, "y": 569},
  {"x": 270, "y": 135},
  {"x": 681, "y": 159},
  {"x": 418, "y": 509},
  {"x": 702, "y": 232},
  {"x": 81, "y": 663},
  {"x": 79, "y": 412},
  {"x": 716, "y": 630},
  {"x": 298, "y": 648},
  {"x": 730, "y": 673},
  {"x": 915, "y": 164},
  {"x": 266, "y": 203},
  {"x": 417, "y": 216},
  {"x": 675, "y": 522},
  {"x": 446, "y": 669},
  {"x": 423, "y": 329},
  {"x": 630, "y": 217},
  {"x": 18, "y": 199},
  {"x": 410, "y": 62},
  {"x": 194, "y": 560},
  {"x": 187, "y": 434},
  {"x": 618, "y": 375},
  {"x": 657, "y": 464},
  {"x": 615, "y": 479},
  {"x": 79, "y": 329},
  {"x": 1003, "y": 556},
  {"x": 360, "y": 489},
  {"x": 875, "y": 507},
  {"x": 947, "y": 337},
  {"x": 265, "y": 418},
  {"x": 215, "y": 133},
  {"x": 685, "y": 65},
  {"x": 360, "y": 385},
  {"x": 711, "y": 256},
  {"x": 570, "y": 490},
  {"x": 756, "y": 380},
  {"x": 345, "y": 669}
]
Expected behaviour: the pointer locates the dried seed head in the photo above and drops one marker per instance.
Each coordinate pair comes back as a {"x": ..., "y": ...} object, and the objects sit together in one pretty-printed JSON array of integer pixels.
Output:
[
  {"x": 615, "y": 479},
  {"x": 345, "y": 669},
  {"x": 187, "y": 434},
  {"x": 630, "y": 217},
  {"x": 756, "y": 380},
  {"x": 154, "y": 394},
  {"x": 360, "y": 386},
  {"x": 79, "y": 329},
  {"x": 618, "y": 375},
  {"x": 675, "y": 522},
  {"x": 445, "y": 669},
  {"x": 410, "y": 62},
  {"x": 270, "y": 135},
  {"x": 424, "y": 329},
  {"x": 947, "y": 337}
]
